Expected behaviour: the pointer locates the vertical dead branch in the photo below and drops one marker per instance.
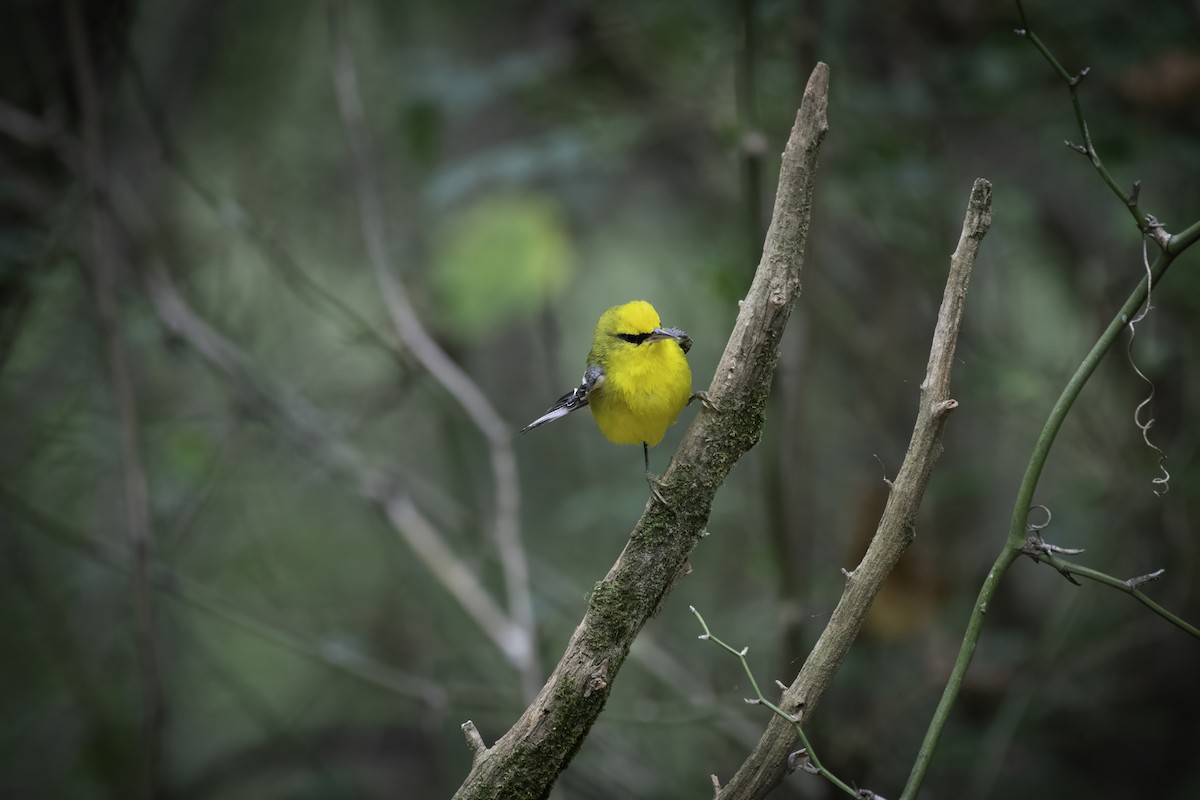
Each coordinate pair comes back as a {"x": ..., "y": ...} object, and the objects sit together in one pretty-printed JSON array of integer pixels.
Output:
[
  {"x": 767, "y": 765},
  {"x": 137, "y": 501}
]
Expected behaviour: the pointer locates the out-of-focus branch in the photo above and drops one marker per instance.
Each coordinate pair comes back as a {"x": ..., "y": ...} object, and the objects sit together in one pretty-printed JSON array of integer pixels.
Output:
[
  {"x": 302, "y": 423},
  {"x": 753, "y": 146},
  {"x": 137, "y": 500},
  {"x": 20, "y": 125},
  {"x": 429, "y": 354},
  {"x": 105, "y": 730},
  {"x": 230, "y": 213},
  {"x": 207, "y": 600},
  {"x": 769, "y": 763},
  {"x": 277, "y": 734},
  {"x": 528, "y": 759}
]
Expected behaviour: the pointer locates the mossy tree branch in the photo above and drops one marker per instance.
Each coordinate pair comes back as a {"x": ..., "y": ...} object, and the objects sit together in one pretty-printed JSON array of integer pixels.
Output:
[
  {"x": 768, "y": 764},
  {"x": 526, "y": 761}
]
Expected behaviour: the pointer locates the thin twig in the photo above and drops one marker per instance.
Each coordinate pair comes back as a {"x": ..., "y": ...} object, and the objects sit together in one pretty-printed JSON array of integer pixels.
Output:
[
  {"x": 235, "y": 217},
  {"x": 203, "y": 598},
  {"x": 810, "y": 755},
  {"x": 1171, "y": 246},
  {"x": 1137, "y": 581},
  {"x": 429, "y": 354},
  {"x": 137, "y": 500},
  {"x": 671, "y": 671},
  {"x": 475, "y": 742},
  {"x": 1132, "y": 200}
]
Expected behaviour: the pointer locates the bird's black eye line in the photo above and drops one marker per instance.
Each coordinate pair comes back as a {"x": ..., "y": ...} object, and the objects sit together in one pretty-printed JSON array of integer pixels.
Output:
[{"x": 632, "y": 338}]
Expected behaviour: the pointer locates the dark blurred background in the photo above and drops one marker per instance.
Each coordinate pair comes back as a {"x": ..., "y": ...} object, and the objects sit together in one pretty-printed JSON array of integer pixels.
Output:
[{"x": 254, "y": 548}]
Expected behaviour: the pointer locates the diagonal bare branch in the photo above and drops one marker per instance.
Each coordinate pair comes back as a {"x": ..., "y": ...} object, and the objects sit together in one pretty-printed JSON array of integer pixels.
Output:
[
  {"x": 299, "y": 421},
  {"x": 429, "y": 354},
  {"x": 302, "y": 423},
  {"x": 230, "y": 213},
  {"x": 768, "y": 764}
]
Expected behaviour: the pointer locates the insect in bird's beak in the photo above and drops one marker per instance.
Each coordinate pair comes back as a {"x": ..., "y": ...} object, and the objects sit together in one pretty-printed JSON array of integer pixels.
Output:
[{"x": 685, "y": 341}]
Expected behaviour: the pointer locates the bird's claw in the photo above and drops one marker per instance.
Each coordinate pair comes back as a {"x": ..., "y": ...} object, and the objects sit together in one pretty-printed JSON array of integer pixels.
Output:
[
  {"x": 704, "y": 400},
  {"x": 653, "y": 482}
]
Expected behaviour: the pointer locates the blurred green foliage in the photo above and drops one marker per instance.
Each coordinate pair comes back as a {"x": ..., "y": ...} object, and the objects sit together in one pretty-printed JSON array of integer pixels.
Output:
[
  {"x": 539, "y": 163},
  {"x": 502, "y": 259}
]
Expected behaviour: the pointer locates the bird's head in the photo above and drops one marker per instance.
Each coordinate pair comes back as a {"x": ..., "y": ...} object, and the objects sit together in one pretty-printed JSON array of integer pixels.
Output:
[{"x": 634, "y": 324}]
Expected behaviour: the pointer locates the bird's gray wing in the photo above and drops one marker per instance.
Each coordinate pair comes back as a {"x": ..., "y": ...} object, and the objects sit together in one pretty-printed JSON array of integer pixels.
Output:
[{"x": 575, "y": 399}]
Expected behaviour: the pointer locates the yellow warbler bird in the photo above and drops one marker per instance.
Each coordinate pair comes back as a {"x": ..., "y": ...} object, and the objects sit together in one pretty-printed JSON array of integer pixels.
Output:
[{"x": 637, "y": 379}]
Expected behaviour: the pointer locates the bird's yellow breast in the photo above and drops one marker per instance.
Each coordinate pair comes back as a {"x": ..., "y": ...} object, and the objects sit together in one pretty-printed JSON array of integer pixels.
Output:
[{"x": 644, "y": 389}]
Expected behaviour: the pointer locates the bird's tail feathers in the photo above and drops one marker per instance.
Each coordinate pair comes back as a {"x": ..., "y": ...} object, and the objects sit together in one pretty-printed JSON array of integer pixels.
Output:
[{"x": 551, "y": 415}]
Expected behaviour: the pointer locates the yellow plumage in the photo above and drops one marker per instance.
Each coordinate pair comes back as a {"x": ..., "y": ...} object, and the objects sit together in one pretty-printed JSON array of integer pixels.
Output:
[
  {"x": 637, "y": 378},
  {"x": 645, "y": 385}
]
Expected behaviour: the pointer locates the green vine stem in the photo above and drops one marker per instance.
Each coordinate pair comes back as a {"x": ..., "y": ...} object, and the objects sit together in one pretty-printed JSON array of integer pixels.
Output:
[
  {"x": 1129, "y": 587},
  {"x": 1015, "y": 542},
  {"x": 1184, "y": 239},
  {"x": 808, "y": 751},
  {"x": 1144, "y": 222}
]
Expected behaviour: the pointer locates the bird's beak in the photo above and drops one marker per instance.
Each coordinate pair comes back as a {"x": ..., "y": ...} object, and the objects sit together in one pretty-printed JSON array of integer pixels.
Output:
[{"x": 685, "y": 341}]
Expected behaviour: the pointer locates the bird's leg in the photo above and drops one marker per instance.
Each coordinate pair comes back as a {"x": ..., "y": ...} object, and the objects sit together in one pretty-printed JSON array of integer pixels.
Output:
[
  {"x": 704, "y": 400},
  {"x": 651, "y": 479}
]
